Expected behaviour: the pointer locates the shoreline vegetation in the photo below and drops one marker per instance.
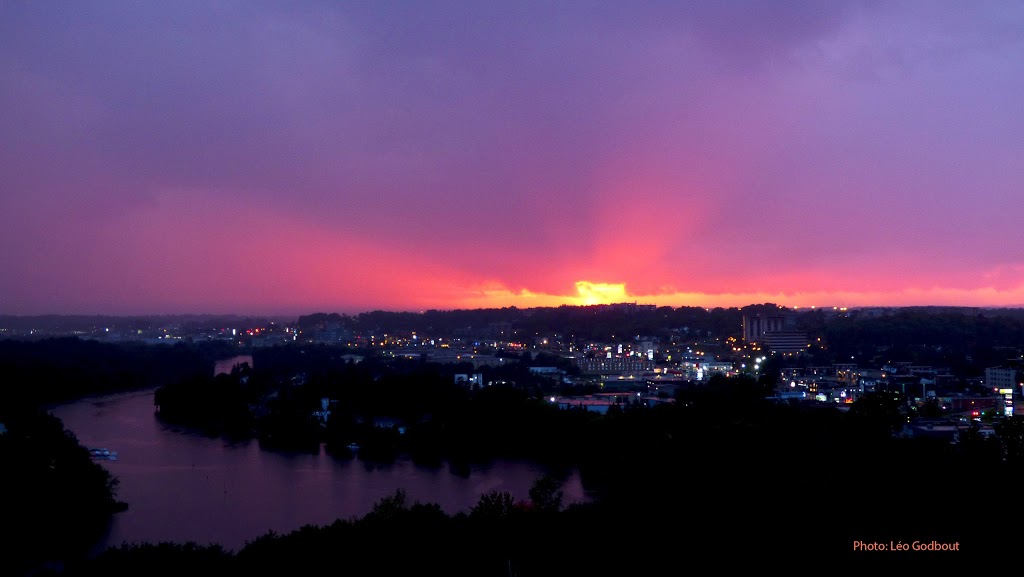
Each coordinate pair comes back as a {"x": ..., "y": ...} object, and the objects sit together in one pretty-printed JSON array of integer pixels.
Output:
[{"x": 57, "y": 500}]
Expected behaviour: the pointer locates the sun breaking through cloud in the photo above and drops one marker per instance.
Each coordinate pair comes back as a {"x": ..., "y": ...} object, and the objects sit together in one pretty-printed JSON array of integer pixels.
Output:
[{"x": 591, "y": 293}]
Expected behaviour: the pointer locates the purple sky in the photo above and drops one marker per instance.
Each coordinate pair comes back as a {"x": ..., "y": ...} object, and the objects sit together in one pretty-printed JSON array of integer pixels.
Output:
[{"x": 253, "y": 157}]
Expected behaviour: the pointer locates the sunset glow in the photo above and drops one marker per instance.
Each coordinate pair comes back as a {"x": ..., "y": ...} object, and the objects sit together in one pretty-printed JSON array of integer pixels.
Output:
[
  {"x": 600, "y": 293},
  {"x": 617, "y": 294},
  {"x": 348, "y": 157}
]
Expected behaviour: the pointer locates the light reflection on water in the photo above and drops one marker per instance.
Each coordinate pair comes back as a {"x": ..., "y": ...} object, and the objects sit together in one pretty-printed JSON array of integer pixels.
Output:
[{"x": 183, "y": 486}]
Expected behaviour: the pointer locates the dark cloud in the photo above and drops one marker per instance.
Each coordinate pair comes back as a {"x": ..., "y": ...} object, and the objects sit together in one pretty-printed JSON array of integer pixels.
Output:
[{"x": 526, "y": 143}]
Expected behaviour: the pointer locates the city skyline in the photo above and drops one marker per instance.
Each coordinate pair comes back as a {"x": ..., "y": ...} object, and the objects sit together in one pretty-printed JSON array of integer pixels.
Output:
[{"x": 281, "y": 159}]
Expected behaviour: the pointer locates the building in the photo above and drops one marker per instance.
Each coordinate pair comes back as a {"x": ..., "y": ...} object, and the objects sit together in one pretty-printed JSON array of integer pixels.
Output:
[
  {"x": 604, "y": 366},
  {"x": 775, "y": 333},
  {"x": 784, "y": 341},
  {"x": 755, "y": 326},
  {"x": 1003, "y": 381},
  {"x": 1000, "y": 378}
]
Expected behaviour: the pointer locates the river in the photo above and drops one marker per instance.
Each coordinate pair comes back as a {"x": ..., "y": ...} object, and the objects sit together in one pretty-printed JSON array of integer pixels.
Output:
[{"x": 184, "y": 486}]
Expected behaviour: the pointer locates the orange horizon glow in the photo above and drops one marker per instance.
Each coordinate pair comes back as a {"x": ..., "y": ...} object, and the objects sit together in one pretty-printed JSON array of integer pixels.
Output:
[
  {"x": 596, "y": 293},
  {"x": 289, "y": 266}
]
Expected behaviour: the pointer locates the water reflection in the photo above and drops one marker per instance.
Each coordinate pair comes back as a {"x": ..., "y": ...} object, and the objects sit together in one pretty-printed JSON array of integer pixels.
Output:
[{"x": 184, "y": 486}]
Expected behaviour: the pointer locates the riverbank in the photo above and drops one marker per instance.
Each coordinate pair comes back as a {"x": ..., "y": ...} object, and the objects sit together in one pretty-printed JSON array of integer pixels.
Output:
[{"x": 182, "y": 485}]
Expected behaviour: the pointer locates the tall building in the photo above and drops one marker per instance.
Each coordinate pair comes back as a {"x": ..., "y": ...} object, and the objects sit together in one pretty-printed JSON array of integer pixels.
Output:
[
  {"x": 755, "y": 326},
  {"x": 774, "y": 333}
]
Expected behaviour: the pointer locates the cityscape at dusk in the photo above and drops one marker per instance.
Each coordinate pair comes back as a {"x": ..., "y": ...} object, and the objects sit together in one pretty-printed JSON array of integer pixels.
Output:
[
  {"x": 510, "y": 289},
  {"x": 281, "y": 158}
]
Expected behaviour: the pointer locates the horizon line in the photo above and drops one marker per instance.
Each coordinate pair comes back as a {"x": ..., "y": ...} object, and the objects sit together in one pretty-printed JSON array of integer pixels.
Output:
[{"x": 423, "y": 311}]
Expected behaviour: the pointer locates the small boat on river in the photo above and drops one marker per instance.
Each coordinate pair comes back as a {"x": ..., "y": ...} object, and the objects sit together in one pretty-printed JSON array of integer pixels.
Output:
[{"x": 103, "y": 454}]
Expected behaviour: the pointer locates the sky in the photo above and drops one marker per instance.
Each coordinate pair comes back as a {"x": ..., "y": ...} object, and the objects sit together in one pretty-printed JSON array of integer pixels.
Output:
[{"x": 292, "y": 157}]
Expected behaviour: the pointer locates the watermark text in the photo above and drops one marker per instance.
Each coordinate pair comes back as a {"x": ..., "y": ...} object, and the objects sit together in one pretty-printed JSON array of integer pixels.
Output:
[{"x": 896, "y": 546}]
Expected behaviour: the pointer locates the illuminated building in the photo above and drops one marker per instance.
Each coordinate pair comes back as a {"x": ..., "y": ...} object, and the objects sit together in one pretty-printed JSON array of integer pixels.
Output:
[
  {"x": 1003, "y": 381},
  {"x": 774, "y": 333}
]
